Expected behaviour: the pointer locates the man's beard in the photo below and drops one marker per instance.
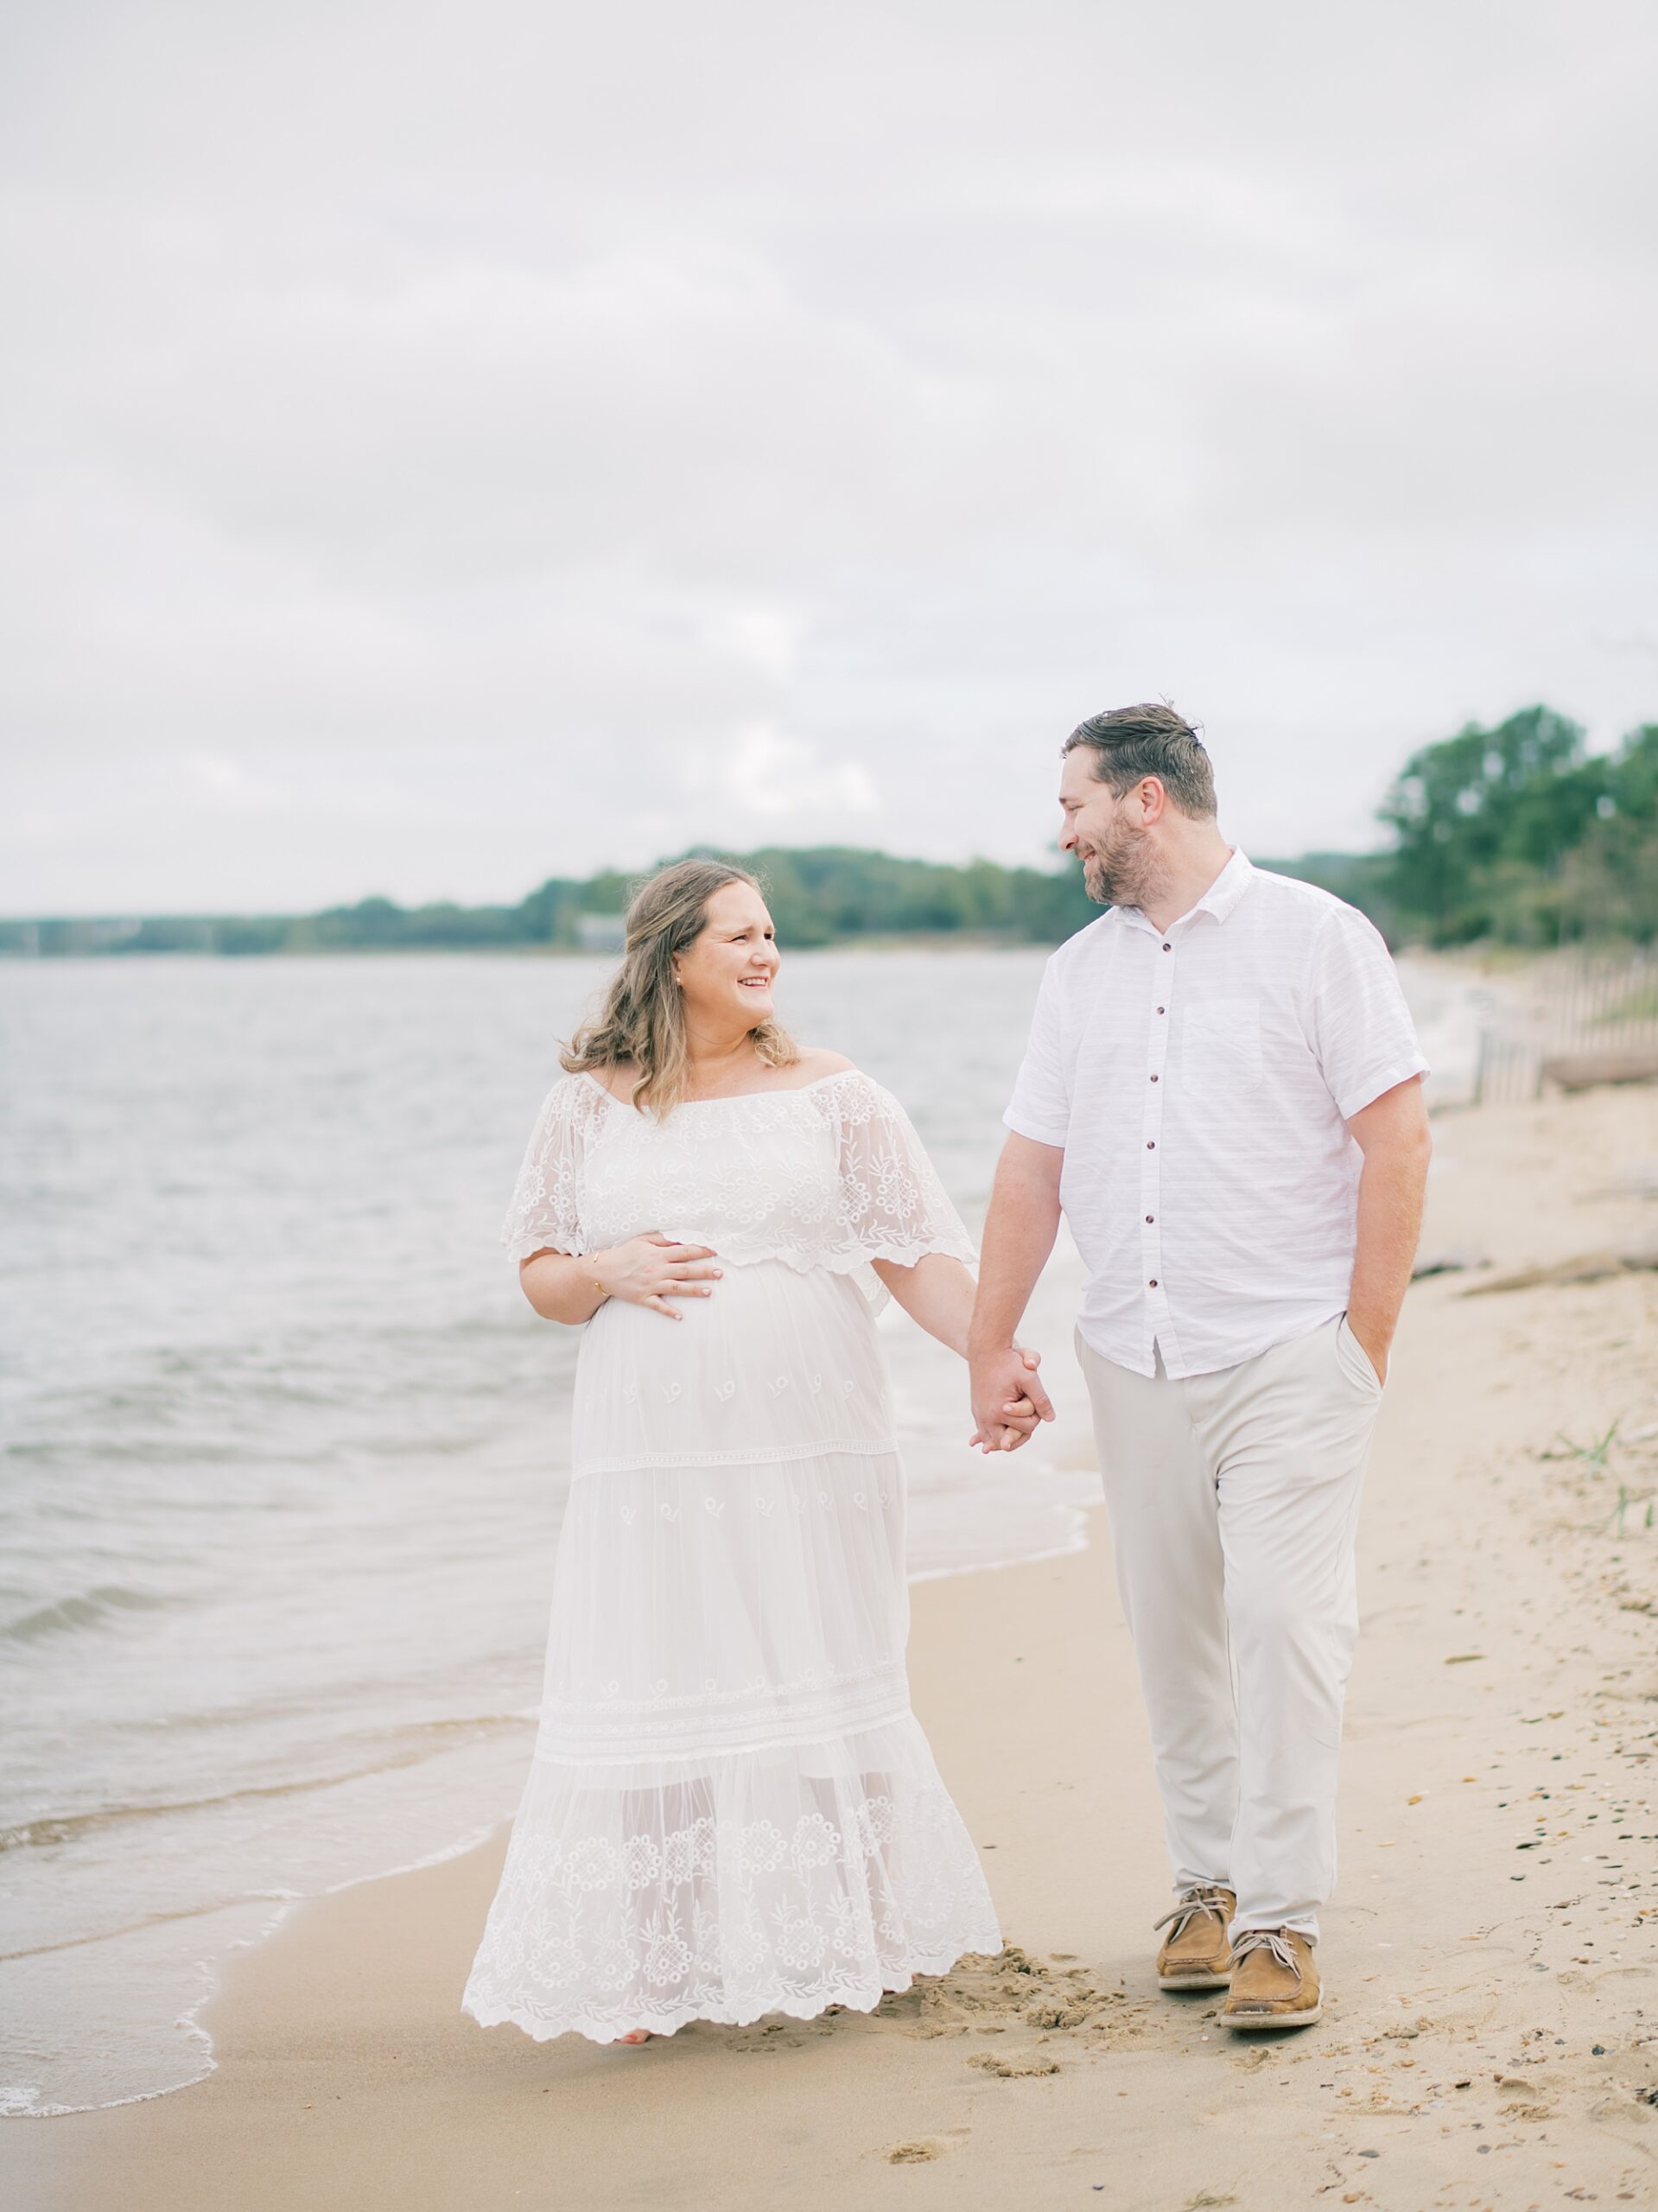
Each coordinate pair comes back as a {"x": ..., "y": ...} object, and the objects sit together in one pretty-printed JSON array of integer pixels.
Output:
[{"x": 1125, "y": 870}]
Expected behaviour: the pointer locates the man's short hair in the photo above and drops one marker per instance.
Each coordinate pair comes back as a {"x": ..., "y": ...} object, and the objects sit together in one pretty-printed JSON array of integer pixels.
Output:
[{"x": 1129, "y": 743}]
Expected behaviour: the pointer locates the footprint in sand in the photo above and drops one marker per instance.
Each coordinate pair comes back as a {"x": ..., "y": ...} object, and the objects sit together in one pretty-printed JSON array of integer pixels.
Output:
[
  {"x": 1013, "y": 2068},
  {"x": 920, "y": 2149},
  {"x": 1013, "y": 1990}
]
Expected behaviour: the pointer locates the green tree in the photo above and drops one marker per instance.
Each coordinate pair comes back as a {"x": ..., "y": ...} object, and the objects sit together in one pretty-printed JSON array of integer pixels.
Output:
[
  {"x": 1483, "y": 822},
  {"x": 1614, "y": 874}
]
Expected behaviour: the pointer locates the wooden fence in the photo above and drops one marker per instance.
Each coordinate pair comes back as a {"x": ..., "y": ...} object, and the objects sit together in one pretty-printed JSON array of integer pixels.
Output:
[{"x": 1566, "y": 1020}]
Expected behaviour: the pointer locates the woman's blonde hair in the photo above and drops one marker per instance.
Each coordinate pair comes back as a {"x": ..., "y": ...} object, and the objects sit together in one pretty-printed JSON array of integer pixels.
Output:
[{"x": 643, "y": 1019}]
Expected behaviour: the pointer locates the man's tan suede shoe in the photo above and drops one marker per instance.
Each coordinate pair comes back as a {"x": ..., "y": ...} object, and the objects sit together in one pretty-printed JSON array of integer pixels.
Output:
[
  {"x": 1196, "y": 1952},
  {"x": 1275, "y": 1982}
]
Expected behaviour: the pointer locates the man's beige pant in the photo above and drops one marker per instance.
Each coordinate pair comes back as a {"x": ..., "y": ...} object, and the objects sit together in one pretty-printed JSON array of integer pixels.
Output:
[{"x": 1234, "y": 1500}]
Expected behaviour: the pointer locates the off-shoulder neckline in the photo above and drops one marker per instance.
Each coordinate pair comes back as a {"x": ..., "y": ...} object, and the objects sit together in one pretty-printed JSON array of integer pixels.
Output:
[{"x": 731, "y": 1098}]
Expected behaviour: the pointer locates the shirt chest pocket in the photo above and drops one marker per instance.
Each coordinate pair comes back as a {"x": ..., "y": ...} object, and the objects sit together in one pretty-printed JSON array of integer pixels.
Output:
[{"x": 1220, "y": 1047}]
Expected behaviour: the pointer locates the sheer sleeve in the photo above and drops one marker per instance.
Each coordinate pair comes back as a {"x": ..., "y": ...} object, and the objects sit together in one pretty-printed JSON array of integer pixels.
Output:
[
  {"x": 546, "y": 1209},
  {"x": 891, "y": 1205}
]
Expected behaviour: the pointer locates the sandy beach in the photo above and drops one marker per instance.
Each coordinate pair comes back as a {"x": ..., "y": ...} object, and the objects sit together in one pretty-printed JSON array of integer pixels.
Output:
[{"x": 1492, "y": 2037}]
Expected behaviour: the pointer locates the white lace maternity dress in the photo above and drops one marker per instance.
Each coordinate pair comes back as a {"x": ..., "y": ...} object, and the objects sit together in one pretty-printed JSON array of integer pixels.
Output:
[{"x": 731, "y": 1809}]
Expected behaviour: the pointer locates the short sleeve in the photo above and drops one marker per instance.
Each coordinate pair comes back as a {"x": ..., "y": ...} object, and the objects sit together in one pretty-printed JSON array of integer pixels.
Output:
[
  {"x": 891, "y": 1205},
  {"x": 1362, "y": 1029},
  {"x": 1040, "y": 1106},
  {"x": 546, "y": 1209}
]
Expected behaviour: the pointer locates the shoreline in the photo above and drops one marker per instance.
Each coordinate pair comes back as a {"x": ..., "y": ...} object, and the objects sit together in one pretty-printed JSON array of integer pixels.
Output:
[
  {"x": 1493, "y": 2026},
  {"x": 1064, "y": 1455},
  {"x": 222, "y": 1971},
  {"x": 894, "y": 941}
]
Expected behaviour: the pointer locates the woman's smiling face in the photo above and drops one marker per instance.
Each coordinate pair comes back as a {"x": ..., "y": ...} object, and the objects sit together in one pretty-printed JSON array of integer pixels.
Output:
[{"x": 727, "y": 970}]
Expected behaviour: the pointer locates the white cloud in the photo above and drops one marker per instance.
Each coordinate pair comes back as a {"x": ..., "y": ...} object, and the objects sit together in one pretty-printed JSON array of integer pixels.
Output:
[
  {"x": 520, "y": 442},
  {"x": 785, "y": 782}
]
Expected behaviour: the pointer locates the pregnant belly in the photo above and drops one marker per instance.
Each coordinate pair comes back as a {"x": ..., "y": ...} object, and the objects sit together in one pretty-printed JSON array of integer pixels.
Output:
[{"x": 776, "y": 1365}]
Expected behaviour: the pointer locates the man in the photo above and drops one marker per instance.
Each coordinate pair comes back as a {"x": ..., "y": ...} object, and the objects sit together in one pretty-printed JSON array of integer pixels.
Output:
[{"x": 1222, "y": 1093}]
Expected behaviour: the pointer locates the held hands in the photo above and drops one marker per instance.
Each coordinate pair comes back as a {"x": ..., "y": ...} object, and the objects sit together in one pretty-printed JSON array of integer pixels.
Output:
[
  {"x": 1007, "y": 1400},
  {"x": 649, "y": 1270}
]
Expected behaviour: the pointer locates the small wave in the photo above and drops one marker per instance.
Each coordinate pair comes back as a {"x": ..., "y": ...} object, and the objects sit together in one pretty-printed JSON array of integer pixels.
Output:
[
  {"x": 280, "y": 1900},
  {"x": 425, "y": 1741},
  {"x": 85, "y": 1609}
]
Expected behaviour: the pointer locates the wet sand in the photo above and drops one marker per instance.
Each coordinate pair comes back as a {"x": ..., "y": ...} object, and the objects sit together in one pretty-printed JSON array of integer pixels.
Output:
[{"x": 1492, "y": 2037}]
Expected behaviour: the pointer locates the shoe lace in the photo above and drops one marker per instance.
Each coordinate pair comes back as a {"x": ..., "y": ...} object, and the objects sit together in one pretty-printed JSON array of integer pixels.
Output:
[
  {"x": 1205, "y": 1897},
  {"x": 1267, "y": 1939}
]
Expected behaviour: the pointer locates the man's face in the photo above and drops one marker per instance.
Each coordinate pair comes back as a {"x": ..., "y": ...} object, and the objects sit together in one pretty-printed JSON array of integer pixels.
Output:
[{"x": 1117, "y": 856}]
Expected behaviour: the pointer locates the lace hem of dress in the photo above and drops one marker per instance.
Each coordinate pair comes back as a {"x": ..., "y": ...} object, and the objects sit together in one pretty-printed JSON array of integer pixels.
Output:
[
  {"x": 804, "y": 2001},
  {"x": 855, "y": 1263},
  {"x": 649, "y": 1907},
  {"x": 842, "y": 1259}
]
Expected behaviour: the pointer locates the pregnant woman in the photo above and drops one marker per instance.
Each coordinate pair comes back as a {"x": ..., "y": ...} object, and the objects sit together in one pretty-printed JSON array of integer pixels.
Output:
[{"x": 731, "y": 1809}]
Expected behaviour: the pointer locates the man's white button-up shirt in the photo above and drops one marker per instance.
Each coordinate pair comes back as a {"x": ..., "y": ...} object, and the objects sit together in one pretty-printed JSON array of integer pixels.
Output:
[{"x": 1200, "y": 1080}]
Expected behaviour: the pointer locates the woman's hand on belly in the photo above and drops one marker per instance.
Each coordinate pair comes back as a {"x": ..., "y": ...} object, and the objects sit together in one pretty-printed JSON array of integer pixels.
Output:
[{"x": 649, "y": 1270}]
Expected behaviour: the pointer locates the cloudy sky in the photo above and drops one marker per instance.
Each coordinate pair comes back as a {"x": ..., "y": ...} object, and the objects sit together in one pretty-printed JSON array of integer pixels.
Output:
[{"x": 450, "y": 446}]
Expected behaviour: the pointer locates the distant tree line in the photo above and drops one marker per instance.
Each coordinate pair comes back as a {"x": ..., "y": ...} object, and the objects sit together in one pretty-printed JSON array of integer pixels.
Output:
[
  {"x": 1515, "y": 834},
  {"x": 819, "y": 896}
]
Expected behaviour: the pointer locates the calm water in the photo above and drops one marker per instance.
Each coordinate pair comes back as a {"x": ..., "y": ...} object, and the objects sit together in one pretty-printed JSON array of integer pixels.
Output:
[{"x": 284, "y": 1448}]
